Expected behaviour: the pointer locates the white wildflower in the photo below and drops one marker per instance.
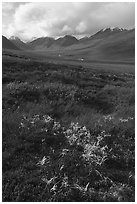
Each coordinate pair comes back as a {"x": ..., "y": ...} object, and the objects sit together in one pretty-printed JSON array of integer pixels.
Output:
[{"x": 42, "y": 162}]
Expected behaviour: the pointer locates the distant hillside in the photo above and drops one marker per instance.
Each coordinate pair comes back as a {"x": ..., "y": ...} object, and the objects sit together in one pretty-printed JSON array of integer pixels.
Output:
[
  {"x": 107, "y": 32},
  {"x": 67, "y": 40},
  {"x": 46, "y": 42},
  {"x": 122, "y": 45},
  {"x": 41, "y": 43},
  {"x": 84, "y": 39},
  {"x": 7, "y": 44},
  {"x": 18, "y": 43},
  {"x": 107, "y": 44}
]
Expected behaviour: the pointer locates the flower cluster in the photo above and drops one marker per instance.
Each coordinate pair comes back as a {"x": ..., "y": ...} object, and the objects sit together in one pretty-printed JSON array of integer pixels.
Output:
[
  {"x": 46, "y": 130},
  {"x": 108, "y": 117},
  {"x": 95, "y": 154},
  {"x": 16, "y": 85},
  {"x": 29, "y": 122},
  {"x": 124, "y": 120},
  {"x": 93, "y": 150},
  {"x": 77, "y": 134}
]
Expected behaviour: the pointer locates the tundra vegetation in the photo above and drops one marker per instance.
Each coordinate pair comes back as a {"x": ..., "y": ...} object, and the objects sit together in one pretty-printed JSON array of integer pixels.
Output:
[{"x": 68, "y": 133}]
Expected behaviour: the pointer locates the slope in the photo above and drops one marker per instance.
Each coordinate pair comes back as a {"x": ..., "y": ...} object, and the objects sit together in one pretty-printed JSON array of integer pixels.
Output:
[
  {"x": 118, "y": 45},
  {"x": 18, "y": 43},
  {"x": 7, "y": 44}
]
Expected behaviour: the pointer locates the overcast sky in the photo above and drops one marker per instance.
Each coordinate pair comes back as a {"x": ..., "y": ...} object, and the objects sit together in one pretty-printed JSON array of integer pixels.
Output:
[{"x": 29, "y": 20}]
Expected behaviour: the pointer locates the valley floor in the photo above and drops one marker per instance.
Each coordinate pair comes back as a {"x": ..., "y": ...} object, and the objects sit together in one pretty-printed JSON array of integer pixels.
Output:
[{"x": 68, "y": 131}]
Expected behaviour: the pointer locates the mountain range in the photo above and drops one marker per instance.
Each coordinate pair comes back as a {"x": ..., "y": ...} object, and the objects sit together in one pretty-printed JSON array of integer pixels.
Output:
[{"x": 106, "y": 43}]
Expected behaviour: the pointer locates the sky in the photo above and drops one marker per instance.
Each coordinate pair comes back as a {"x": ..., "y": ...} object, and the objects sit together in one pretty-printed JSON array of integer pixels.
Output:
[{"x": 28, "y": 20}]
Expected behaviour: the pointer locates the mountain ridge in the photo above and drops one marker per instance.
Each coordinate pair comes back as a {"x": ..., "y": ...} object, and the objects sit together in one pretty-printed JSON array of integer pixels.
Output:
[
  {"x": 108, "y": 43},
  {"x": 60, "y": 40}
]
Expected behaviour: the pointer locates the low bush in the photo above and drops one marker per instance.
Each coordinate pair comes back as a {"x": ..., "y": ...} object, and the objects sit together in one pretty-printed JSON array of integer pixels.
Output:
[{"x": 68, "y": 134}]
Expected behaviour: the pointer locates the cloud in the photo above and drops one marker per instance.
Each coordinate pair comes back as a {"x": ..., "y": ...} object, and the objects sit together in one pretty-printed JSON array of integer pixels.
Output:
[
  {"x": 29, "y": 20},
  {"x": 81, "y": 27}
]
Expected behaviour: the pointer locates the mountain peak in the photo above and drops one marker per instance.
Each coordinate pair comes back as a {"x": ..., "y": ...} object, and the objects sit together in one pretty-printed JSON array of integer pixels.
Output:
[
  {"x": 14, "y": 38},
  {"x": 108, "y": 32},
  {"x": 69, "y": 36},
  {"x": 67, "y": 40}
]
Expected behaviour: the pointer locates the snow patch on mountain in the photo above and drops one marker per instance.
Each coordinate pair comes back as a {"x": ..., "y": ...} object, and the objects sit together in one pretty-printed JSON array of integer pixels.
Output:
[{"x": 113, "y": 29}]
